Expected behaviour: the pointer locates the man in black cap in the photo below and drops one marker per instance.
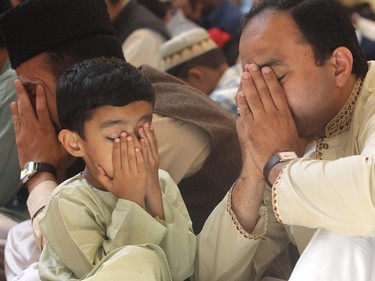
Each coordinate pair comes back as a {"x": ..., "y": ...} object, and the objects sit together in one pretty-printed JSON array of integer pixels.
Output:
[{"x": 195, "y": 136}]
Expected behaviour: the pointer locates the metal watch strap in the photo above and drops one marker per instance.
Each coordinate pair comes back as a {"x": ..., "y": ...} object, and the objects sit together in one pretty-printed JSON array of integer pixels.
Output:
[{"x": 275, "y": 159}]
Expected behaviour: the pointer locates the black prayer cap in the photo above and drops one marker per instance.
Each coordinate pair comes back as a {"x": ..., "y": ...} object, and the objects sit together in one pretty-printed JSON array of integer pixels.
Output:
[{"x": 36, "y": 26}]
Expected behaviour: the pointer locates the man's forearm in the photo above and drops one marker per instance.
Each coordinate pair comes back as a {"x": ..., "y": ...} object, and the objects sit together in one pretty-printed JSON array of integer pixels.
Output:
[{"x": 247, "y": 198}]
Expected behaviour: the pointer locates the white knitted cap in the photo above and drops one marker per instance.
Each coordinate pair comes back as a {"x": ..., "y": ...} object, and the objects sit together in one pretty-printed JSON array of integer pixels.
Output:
[{"x": 185, "y": 46}]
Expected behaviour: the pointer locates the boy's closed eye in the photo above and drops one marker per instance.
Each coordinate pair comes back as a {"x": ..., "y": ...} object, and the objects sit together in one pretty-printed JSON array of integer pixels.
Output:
[{"x": 112, "y": 139}]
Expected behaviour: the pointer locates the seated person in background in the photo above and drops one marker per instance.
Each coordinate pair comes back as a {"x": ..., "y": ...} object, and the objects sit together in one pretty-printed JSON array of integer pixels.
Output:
[
  {"x": 10, "y": 207},
  {"x": 140, "y": 31},
  {"x": 363, "y": 19},
  {"x": 194, "y": 57},
  {"x": 9, "y": 167},
  {"x": 116, "y": 220},
  {"x": 222, "y": 14}
]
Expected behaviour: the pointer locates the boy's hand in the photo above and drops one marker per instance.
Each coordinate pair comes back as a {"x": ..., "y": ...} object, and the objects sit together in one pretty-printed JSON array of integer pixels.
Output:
[
  {"x": 151, "y": 159},
  {"x": 129, "y": 173}
]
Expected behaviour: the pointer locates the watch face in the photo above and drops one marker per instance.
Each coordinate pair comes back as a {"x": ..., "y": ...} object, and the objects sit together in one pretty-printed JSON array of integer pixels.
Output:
[
  {"x": 28, "y": 170},
  {"x": 287, "y": 155}
]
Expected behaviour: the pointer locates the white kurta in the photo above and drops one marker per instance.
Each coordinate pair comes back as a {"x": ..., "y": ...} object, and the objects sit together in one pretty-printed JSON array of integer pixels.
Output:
[{"x": 333, "y": 188}]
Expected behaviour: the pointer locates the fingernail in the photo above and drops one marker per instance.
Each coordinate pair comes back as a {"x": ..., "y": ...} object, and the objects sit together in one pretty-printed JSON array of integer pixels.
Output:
[
  {"x": 266, "y": 69},
  {"x": 254, "y": 67},
  {"x": 245, "y": 75}
]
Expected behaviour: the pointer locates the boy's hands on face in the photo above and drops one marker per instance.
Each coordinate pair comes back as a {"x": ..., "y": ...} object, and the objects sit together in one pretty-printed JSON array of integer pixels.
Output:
[
  {"x": 129, "y": 171},
  {"x": 135, "y": 170},
  {"x": 151, "y": 159}
]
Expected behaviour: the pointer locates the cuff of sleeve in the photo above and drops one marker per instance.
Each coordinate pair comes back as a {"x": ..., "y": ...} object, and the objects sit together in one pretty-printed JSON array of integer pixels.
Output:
[
  {"x": 275, "y": 192},
  {"x": 261, "y": 227},
  {"x": 39, "y": 196}
]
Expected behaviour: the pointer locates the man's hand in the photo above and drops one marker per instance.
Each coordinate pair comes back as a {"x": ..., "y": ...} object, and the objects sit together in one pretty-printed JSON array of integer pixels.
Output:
[
  {"x": 248, "y": 191},
  {"x": 36, "y": 136},
  {"x": 266, "y": 115}
]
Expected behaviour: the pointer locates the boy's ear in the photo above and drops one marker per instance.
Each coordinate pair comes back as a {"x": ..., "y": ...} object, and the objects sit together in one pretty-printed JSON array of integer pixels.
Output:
[
  {"x": 72, "y": 142},
  {"x": 195, "y": 77},
  {"x": 343, "y": 60}
]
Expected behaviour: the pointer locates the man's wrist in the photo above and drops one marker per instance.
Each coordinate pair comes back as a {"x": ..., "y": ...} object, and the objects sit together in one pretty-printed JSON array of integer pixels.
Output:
[
  {"x": 275, "y": 160},
  {"x": 39, "y": 178},
  {"x": 276, "y": 170},
  {"x": 246, "y": 199}
]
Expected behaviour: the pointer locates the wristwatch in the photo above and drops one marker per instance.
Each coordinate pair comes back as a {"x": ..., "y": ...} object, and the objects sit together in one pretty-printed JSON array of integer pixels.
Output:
[
  {"x": 31, "y": 168},
  {"x": 275, "y": 159}
]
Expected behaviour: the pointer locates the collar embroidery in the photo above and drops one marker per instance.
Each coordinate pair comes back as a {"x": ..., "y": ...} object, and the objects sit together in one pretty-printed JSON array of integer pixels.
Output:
[{"x": 343, "y": 119}]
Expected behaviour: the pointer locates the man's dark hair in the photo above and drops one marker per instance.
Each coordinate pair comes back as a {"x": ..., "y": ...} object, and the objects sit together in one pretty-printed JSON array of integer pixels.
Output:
[
  {"x": 324, "y": 24},
  {"x": 62, "y": 57},
  {"x": 94, "y": 83},
  {"x": 5, "y": 5},
  {"x": 211, "y": 59}
]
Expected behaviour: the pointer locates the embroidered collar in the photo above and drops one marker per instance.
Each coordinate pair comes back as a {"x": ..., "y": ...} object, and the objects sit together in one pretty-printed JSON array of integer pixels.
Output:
[{"x": 342, "y": 120}]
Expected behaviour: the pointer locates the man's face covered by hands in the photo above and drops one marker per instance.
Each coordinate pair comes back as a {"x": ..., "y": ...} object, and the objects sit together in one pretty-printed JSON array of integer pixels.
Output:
[
  {"x": 273, "y": 39},
  {"x": 34, "y": 72}
]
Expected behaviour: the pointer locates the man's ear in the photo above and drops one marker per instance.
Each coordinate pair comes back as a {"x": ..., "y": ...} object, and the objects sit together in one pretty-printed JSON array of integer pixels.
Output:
[
  {"x": 343, "y": 61},
  {"x": 72, "y": 142}
]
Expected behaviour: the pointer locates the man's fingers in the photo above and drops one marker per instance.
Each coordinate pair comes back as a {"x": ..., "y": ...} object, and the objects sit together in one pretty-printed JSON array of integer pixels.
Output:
[
  {"x": 15, "y": 117},
  {"x": 276, "y": 90},
  {"x": 249, "y": 91},
  {"x": 25, "y": 109},
  {"x": 262, "y": 88},
  {"x": 42, "y": 110}
]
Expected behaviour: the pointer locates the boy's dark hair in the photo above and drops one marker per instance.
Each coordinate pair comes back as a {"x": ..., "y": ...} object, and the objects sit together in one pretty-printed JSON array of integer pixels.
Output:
[
  {"x": 93, "y": 83},
  {"x": 211, "y": 59},
  {"x": 324, "y": 24}
]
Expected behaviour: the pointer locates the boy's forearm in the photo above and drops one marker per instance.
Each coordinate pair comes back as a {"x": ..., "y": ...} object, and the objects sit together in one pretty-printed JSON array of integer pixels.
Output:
[{"x": 154, "y": 202}]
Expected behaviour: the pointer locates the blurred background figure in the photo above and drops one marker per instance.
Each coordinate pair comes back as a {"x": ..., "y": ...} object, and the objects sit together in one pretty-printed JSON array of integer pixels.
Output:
[
  {"x": 363, "y": 18},
  {"x": 140, "y": 31},
  {"x": 12, "y": 208},
  {"x": 196, "y": 59},
  {"x": 220, "y": 15}
]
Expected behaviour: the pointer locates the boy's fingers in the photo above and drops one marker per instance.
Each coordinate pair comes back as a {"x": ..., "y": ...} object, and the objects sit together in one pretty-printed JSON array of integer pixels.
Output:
[
  {"x": 104, "y": 179},
  {"x": 129, "y": 158},
  {"x": 116, "y": 155}
]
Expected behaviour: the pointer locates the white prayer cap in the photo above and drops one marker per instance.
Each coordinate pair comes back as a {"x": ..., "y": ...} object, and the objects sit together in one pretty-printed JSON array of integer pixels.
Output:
[{"x": 185, "y": 46}]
